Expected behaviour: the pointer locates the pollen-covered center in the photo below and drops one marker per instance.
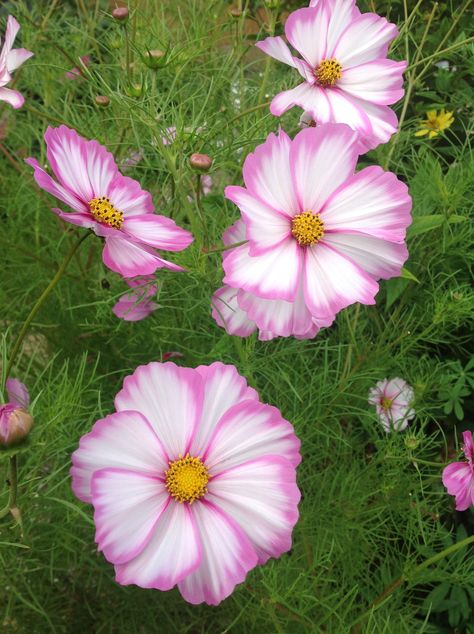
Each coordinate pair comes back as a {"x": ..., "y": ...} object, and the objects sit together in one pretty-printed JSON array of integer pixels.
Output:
[
  {"x": 104, "y": 212},
  {"x": 307, "y": 228},
  {"x": 386, "y": 403},
  {"x": 328, "y": 72},
  {"x": 186, "y": 479}
]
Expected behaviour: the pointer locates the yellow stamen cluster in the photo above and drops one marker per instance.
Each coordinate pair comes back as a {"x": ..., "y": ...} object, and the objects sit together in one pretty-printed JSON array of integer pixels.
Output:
[
  {"x": 328, "y": 72},
  {"x": 103, "y": 211},
  {"x": 186, "y": 479},
  {"x": 386, "y": 403},
  {"x": 307, "y": 228}
]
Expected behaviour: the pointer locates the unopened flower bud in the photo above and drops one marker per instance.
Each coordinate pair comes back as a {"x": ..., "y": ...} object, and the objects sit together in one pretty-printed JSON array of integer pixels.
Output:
[
  {"x": 154, "y": 58},
  {"x": 15, "y": 424},
  {"x": 135, "y": 90},
  {"x": 411, "y": 442},
  {"x": 235, "y": 12},
  {"x": 200, "y": 162},
  {"x": 120, "y": 14},
  {"x": 102, "y": 100}
]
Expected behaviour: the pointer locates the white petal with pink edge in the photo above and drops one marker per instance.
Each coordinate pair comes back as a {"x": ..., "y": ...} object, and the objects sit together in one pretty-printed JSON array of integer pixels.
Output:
[
  {"x": 345, "y": 109},
  {"x": 342, "y": 15},
  {"x": 170, "y": 397},
  {"x": 171, "y": 554},
  {"x": 157, "y": 231},
  {"x": 127, "y": 507},
  {"x": 306, "y": 30},
  {"x": 333, "y": 282},
  {"x": 124, "y": 440},
  {"x": 321, "y": 160},
  {"x": 247, "y": 431},
  {"x": 49, "y": 185},
  {"x": 234, "y": 234},
  {"x": 84, "y": 167},
  {"x": 310, "y": 97},
  {"x": 277, "y": 48},
  {"x": 129, "y": 259},
  {"x": 266, "y": 173},
  {"x": 265, "y": 227},
  {"x": 372, "y": 202},
  {"x": 227, "y": 556},
  {"x": 365, "y": 39},
  {"x": 127, "y": 195},
  {"x": 273, "y": 275},
  {"x": 380, "y": 81},
  {"x": 262, "y": 496},
  {"x": 17, "y": 57},
  {"x": 227, "y": 313},
  {"x": 223, "y": 388}
]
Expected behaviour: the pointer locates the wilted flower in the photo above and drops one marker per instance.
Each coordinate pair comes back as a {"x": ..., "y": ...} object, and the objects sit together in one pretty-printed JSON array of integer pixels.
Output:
[
  {"x": 115, "y": 207},
  {"x": 76, "y": 72},
  {"x": 137, "y": 304},
  {"x": 435, "y": 123},
  {"x": 393, "y": 400},
  {"x": 11, "y": 59},
  {"x": 347, "y": 76},
  {"x": 458, "y": 477},
  {"x": 318, "y": 233},
  {"x": 192, "y": 480},
  {"x": 15, "y": 421}
]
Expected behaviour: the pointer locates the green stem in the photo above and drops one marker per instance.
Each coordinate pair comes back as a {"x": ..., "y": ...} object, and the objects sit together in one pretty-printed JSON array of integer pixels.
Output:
[
  {"x": 13, "y": 488},
  {"x": 198, "y": 188},
  {"x": 396, "y": 583},
  {"x": 127, "y": 55},
  {"x": 271, "y": 31}
]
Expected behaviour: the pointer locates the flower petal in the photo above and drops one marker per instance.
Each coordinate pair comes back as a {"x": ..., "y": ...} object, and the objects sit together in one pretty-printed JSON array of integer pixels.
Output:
[
  {"x": 227, "y": 556},
  {"x": 223, "y": 388},
  {"x": 228, "y": 315},
  {"x": 321, "y": 160},
  {"x": 306, "y": 30},
  {"x": 10, "y": 34},
  {"x": 265, "y": 227},
  {"x": 262, "y": 496},
  {"x": 157, "y": 231},
  {"x": 45, "y": 181},
  {"x": 458, "y": 479},
  {"x": 127, "y": 195},
  {"x": 333, "y": 282},
  {"x": 172, "y": 553},
  {"x": 383, "y": 122},
  {"x": 171, "y": 399},
  {"x": 123, "y": 439},
  {"x": 249, "y": 430},
  {"x": 277, "y": 48},
  {"x": 372, "y": 202},
  {"x": 129, "y": 259},
  {"x": 311, "y": 98},
  {"x": 379, "y": 81},
  {"x": 365, "y": 39},
  {"x": 273, "y": 275},
  {"x": 17, "y": 57},
  {"x": 13, "y": 97},
  {"x": 127, "y": 507},
  {"x": 345, "y": 109},
  {"x": 17, "y": 392}
]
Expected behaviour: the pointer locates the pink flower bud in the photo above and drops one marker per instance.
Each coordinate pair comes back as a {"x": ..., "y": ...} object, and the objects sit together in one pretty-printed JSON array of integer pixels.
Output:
[
  {"x": 15, "y": 424},
  {"x": 102, "y": 100},
  {"x": 201, "y": 162},
  {"x": 120, "y": 14}
]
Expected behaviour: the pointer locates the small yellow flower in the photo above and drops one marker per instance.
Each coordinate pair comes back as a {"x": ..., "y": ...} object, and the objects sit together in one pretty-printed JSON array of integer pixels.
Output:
[{"x": 435, "y": 123}]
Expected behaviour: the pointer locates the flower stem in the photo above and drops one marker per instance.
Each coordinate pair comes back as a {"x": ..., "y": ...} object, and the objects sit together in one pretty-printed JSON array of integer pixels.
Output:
[
  {"x": 396, "y": 583},
  {"x": 19, "y": 340}
]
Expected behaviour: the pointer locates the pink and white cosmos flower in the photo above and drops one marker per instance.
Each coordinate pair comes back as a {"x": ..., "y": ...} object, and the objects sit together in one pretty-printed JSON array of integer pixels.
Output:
[
  {"x": 77, "y": 72},
  {"x": 347, "y": 76},
  {"x": 458, "y": 477},
  {"x": 319, "y": 234},
  {"x": 114, "y": 206},
  {"x": 241, "y": 313},
  {"x": 11, "y": 59},
  {"x": 393, "y": 400},
  {"x": 192, "y": 480},
  {"x": 137, "y": 303}
]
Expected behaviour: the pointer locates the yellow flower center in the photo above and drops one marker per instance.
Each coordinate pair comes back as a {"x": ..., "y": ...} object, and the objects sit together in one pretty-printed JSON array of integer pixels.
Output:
[
  {"x": 307, "y": 228},
  {"x": 386, "y": 403},
  {"x": 186, "y": 479},
  {"x": 328, "y": 72},
  {"x": 104, "y": 212}
]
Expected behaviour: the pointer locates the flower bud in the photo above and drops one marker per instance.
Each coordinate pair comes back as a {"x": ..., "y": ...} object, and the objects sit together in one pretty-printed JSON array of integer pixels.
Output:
[
  {"x": 411, "y": 442},
  {"x": 120, "y": 14},
  {"x": 154, "y": 58},
  {"x": 15, "y": 424},
  {"x": 200, "y": 162},
  {"x": 135, "y": 90},
  {"x": 102, "y": 100},
  {"x": 235, "y": 12}
]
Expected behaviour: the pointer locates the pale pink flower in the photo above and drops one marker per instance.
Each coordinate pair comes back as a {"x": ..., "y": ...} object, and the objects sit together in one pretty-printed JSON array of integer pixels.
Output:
[
  {"x": 169, "y": 135},
  {"x": 11, "y": 59},
  {"x": 393, "y": 400},
  {"x": 192, "y": 480},
  {"x": 115, "y": 207},
  {"x": 76, "y": 72},
  {"x": 132, "y": 159},
  {"x": 137, "y": 304},
  {"x": 318, "y": 233},
  {"x": 15, "y": 421},
  {"x": 458, "y": 477},
  {"x": 241, "y": 313},
  {"x": 347, "y": 76}
]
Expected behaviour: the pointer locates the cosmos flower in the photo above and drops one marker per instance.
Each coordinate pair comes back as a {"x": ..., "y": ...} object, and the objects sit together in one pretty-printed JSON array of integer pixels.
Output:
[
  {"x": 347, "y": 76},
  {"x": 11, "y": 59},
  {"x": 192, "y": 480},
  {"x": 435, "y": 123},
  {"x": 115, "y": 207},
  {"x": 137, "y": 303},
  {"x": 318, "y": 233},
  {"x": 15, "y": 421},
  {"x": 76, "y": 72},
  {"x": 241, "y": 313},
  {"x": 393, "y": 401},
  {"x": 458, "y": 477}
]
